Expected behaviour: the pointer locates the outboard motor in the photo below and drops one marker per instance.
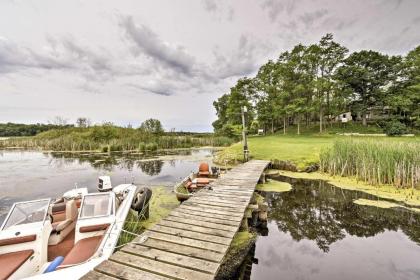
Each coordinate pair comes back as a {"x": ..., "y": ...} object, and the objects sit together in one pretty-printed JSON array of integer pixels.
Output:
[{"x": 104, "y": 184}]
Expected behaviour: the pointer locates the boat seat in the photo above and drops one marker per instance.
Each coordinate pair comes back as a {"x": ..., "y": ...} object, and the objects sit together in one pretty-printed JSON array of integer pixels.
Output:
[
  {"x": 63, "y": 228},
  {"x": 82, "y": 250},
  {"x": 190, "y": 186},
  {"x": 202, "y": 181},
  {"x": 10, "y": 262}
]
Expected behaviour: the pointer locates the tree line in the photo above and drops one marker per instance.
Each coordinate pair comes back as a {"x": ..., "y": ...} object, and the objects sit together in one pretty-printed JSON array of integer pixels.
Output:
[
  {"x": 18, "y": 129},
  {"x": 316, "y": 83}
]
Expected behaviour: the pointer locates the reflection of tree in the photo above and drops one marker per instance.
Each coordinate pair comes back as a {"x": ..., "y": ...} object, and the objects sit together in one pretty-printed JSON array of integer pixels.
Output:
[
  {"x": 318, "y": 211},
  {"x": 96, "y": 160},
  {"x": 151, "y": 167}
]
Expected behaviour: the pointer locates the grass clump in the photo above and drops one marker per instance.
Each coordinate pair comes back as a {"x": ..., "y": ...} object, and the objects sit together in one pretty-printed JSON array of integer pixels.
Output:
[
  {"x": 241, "y": 239},
  {"x": 163, "y": 201},
  {"x": 375, "y": 162}
]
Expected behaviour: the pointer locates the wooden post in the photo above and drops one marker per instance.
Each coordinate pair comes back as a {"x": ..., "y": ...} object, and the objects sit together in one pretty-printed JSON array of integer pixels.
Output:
[
  {"x": 243, "y": 111},
  {"x": 263, "y": 211}
]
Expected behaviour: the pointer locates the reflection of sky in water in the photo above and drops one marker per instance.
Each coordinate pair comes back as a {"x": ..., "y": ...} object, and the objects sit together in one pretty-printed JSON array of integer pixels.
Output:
[
  {"x": 26, "y": 175},
  {"x": 388, "y": 255},
  {"x": 316, "y": 232}
]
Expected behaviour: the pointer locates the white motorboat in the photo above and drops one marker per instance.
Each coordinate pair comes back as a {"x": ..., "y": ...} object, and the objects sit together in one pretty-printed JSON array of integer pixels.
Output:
[{"x": 64, "y": 239}]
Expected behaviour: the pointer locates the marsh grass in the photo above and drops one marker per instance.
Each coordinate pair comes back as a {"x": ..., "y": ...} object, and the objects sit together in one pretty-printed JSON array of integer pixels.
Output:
[
  {"x": 163, "y": 201},
  {"x": 131, "y": 225},
  {"x": 112, "y": 138},
  {"x": 374, "y": 161}
]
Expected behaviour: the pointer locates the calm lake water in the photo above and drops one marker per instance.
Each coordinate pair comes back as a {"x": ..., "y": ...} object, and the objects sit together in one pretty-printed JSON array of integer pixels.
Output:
[
  {"x": 316, "y": 232},
  {"x": 27, "y": 175}
]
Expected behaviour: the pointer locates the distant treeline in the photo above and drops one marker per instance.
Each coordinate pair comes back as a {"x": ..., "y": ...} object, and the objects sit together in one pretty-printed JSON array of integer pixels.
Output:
[
  {"x": 19, "y": 129},
  {"x": 323, "y": 83}
]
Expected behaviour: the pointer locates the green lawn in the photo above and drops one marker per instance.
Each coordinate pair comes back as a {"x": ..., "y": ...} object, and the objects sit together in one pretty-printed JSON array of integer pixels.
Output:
[{"x": 302, "y": 150}]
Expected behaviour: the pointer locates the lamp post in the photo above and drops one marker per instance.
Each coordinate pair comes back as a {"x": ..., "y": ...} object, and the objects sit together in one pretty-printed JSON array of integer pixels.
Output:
[{"x": 246, "y": 152}]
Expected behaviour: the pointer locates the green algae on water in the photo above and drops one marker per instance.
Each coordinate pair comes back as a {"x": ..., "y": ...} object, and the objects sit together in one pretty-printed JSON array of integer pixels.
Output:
[
  {"x": 382, "y": 204},
  {"x": 408, "y": 196},
  {"x": 274, "y": 186}
]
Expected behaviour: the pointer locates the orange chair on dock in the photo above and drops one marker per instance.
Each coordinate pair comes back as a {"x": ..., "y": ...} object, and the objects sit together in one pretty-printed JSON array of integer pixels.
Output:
[{"x": 203, "y": 170}]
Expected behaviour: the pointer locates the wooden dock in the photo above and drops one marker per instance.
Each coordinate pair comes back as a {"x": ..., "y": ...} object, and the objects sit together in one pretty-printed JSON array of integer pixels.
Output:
[{"x": 192, "y": 241}]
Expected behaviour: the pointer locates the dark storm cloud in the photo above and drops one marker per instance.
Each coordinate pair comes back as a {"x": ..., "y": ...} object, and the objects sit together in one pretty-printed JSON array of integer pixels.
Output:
[{"x": 149, "y": 43}]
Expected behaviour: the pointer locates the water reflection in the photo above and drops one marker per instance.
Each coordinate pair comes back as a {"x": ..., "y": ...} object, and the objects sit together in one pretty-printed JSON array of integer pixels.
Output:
[
  {"x": 151, "y": 167},
  {"x": 317, "y": 232}
]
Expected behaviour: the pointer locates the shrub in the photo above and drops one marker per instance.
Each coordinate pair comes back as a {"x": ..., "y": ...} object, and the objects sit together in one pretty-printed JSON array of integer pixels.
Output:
[
  {"x": 142, "y": 147},
  {"x": 395, "y": 128},
  {"x": 151, "y": 146}
]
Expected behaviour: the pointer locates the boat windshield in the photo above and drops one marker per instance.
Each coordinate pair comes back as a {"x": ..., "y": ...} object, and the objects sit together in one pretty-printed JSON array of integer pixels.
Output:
[
  {"x": 96, "y": 205},
  {"x": 27, "y": 212}
]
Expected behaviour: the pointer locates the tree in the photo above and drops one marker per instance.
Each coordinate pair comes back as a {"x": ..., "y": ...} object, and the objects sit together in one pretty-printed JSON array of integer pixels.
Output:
[
  {"x": 228, "y": 106},
  {"x": 318, "y": 82},
  {"x": 403, "y": 96},
  {"x": 268, "y": 95},
  {"x": 83, "y": 122},
  {"x": 153, "y": 126},
  {"x": 242, "y": 94},
  {"x": 58, "y": 120},
  {"x": 366, "y": 73},
  {"x": 221, "y": 106},
  {"x": 325, "y": 58}
]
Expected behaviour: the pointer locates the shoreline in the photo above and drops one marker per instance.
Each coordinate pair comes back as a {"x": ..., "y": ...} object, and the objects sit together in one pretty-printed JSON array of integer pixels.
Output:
[{"x": 112, "y": 152}]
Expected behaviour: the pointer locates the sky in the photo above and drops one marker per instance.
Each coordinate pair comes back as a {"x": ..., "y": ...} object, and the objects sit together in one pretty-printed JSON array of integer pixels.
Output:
[{"x": 126, "y": 61}]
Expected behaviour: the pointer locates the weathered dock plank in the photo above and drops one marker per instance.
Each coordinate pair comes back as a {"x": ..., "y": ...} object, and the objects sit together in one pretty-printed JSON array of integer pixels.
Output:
[
  {"x": 183, "y": 250},
  {"x": 191, "y": 242},
  {"x": 193, "y": 218}
]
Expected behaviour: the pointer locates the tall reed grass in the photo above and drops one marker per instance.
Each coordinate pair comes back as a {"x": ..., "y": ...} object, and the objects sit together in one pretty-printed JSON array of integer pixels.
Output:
[
  {"x": 106, "y": 138},
  {"x": 375, "y": 161}
]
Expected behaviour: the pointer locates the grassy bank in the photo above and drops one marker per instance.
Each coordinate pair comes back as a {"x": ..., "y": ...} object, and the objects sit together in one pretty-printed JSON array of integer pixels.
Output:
[
  {"x": 111, "y": 138},
  {"x": 373, "y": 160},
  {"x": 300, "y": 150}
]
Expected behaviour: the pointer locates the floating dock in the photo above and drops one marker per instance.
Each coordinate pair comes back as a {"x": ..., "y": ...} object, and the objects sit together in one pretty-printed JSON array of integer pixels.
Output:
[{"x": 192, "y": 241}]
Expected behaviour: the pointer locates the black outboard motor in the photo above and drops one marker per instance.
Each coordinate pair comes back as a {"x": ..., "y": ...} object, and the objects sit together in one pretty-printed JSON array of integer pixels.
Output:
[
  {"x": 141, "y": 202},
  {"x": 215, "y": 170}
]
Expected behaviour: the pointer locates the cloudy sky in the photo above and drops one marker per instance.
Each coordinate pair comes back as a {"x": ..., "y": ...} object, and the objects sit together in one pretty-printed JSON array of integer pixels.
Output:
[{"x": 168, "y": 59}]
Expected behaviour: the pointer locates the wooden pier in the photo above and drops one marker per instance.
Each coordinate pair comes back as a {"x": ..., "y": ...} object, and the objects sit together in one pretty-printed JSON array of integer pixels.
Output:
[{"x": 192, "y": 241}]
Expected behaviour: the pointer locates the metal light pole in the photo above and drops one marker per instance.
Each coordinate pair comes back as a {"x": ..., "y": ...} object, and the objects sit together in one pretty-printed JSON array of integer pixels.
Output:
[{"x": 246, "y": 152}]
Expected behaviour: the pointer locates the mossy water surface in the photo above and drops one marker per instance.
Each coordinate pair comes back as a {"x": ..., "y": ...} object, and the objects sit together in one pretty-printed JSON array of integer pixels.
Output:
[
  {"x": 408, "y": 196},
  {"x": 274, "y": 186}
]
